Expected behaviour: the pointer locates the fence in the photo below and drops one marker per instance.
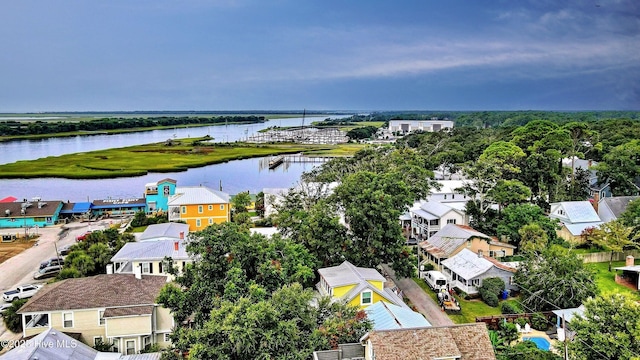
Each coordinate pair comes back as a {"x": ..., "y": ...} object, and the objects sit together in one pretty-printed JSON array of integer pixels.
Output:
[
  {"x": 606, "y": 255},
  {"x": 493, "y": 322}
]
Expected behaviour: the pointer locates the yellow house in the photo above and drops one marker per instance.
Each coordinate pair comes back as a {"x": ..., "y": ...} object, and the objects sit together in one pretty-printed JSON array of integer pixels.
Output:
[
  {"x": 355, "y": 285},
  {"x": 116, "y": 308},
  {"x": 199, "y": 207},
  {"x": 452, "y": 238}
]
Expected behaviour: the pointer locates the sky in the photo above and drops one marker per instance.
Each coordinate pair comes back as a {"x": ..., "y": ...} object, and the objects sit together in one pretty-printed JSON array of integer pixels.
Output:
[{"x": 373, "y": 55}]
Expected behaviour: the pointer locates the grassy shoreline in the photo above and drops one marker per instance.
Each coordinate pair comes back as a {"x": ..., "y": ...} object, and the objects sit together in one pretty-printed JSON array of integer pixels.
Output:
[{"x": 177, "y": 155}]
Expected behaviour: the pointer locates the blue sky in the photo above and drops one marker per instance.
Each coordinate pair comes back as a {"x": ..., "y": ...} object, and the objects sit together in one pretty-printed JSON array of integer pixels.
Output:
[{"x": 286, "y": 55}]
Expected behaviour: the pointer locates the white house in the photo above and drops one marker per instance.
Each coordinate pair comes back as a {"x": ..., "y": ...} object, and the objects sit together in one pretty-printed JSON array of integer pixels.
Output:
[
  {"x": 466, "y": 270},
  {"x": 431, "y": 216},
  {"x": 574, "y": 217}
]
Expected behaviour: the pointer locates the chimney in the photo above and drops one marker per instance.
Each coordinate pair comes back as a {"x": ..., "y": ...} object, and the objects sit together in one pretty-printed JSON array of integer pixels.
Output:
[
  {"x": 176, "y": 246},
  {"x": 596, "y": 201},
  {"x": 589, "y": 163},
  {"x": 629, "y": 261},
  {"x": 109, "y": 269},
  {"x": 137, "y": 271},
  {"x": 181, "y": 235}
]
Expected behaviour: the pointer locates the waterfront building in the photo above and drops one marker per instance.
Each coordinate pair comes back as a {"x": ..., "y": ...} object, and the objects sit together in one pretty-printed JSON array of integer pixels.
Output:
[
  {"x": 118, "y": 207},
  {"x": 157, "y": 195},
  {"x": 199, "y": 206},
  {"x": 29, "y": 214}
]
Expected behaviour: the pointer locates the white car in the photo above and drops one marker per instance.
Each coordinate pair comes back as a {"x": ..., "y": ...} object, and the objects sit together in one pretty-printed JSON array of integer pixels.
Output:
[{"x": 4, "y": 307}]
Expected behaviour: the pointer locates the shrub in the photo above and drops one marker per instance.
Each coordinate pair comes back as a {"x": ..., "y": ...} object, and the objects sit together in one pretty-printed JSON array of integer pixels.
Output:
[
  {"x": 12, "y": 320},
  {"x": 490, "y": 299},
  {"x": 522, "y": 321},
  {"x": 539, "y": 322},
  {"x": 427, "y": 267},
  {"x": 508, "y": 308}
]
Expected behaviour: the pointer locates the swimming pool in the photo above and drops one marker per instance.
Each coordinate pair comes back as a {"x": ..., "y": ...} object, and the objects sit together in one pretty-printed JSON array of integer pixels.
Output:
[{"x": 540, "y": 342}]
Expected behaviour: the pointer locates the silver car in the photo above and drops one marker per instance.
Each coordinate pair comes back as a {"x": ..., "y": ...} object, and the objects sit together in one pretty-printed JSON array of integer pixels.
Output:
[{"x": 48, "y": 272}]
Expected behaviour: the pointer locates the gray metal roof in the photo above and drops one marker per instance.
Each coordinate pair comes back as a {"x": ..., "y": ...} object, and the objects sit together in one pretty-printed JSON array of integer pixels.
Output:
[
  {"x": 164, "y": 231},
  {"x": 436, "y": 208},
  {"x": 151, "y": 250},
  {"x": 34, "y": 349},
  {"x": 449, "y": 238},
  {"x": 580, "y": 211},
  {"x": 577, "y": 229},
  {"x": 347, "y": 274},
  {"x": 188, "y": 195},
  {"x": 467, "y": 264}
]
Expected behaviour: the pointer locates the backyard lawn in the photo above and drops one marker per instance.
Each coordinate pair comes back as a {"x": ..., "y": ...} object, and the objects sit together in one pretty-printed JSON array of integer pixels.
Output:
[
  {"x": 469, "y": 309},
  {"x": 606, "y": 280}
]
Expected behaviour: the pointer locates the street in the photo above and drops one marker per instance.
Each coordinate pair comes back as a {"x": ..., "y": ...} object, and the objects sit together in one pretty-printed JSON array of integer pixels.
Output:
[{"x": 19, "y": 269}]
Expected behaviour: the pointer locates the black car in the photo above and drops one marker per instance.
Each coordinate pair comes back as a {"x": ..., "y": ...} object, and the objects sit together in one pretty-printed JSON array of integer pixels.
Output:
[{"x": 52, "y": 262}]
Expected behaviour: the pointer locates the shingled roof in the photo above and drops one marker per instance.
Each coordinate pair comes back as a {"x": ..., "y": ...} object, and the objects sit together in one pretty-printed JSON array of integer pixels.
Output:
[
  {"x": 465, "y": 341},
  {"x": 444, "y": 242},
  {"x": 99, "y": 291}
]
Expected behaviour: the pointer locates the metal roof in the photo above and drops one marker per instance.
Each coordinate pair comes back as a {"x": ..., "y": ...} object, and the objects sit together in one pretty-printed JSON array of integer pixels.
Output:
[
  {"x": 450, "y": 238},
  {"x": 165, "y": 231},
  {"x": 436, "y": 208},
  {"x": 187, "y": 195},
  {"x": 347, "y": 274},
  {"x": 580, "y": 211},
  {"x": 387, "y": 316},
  {"x": 59, "y": 349},
  {"x": 577, "y": 229},
  {"x": 467, "y": 264},
  {"x": 151, "y": 250}
]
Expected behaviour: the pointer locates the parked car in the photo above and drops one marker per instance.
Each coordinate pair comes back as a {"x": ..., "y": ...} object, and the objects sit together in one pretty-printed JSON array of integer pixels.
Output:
[
  {"x": 435, "y": 279},
  {"x": 65, "y": 250},
  {"x": 48, "y": 272},
  {"x": 21, "y": 292},
  {"x": 84, "y": 236},
  {"x": 51, "y": 262}
]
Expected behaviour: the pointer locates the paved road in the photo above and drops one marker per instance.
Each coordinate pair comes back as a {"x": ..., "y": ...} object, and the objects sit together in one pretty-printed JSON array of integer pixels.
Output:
[
  {"x": 423, "y": 302},
  {"x": 19, "y": 269}
]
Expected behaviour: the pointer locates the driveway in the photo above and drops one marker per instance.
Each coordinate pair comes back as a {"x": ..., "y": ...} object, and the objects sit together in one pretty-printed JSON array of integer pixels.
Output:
[
  {"x": 423, "y": 302},
  {"x": 19, "y": 269}
]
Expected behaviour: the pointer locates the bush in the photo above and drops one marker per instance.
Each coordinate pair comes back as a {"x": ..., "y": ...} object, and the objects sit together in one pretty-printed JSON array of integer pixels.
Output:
[
  {"x": 490, "y": 289},
  {"x": 508, "y": 308},
  {"x": 539, "y": 322},
  {"x": 427, "y": 267},
  {"x": 12, "y": 320},
  {"x": 490, "y": 299},
  {"x": 522, "y": 321}
]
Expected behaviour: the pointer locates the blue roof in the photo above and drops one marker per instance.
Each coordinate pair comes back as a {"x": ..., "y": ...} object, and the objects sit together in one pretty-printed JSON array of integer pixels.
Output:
[
  {"x": 82, "y": 206},
  {"x": 387, "y": 316}
]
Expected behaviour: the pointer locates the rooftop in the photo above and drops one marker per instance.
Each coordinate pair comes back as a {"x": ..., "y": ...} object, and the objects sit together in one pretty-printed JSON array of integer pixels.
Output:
[
  {"x": 152, "y": 250},
  {"x": 187, "y": 195},
  {"x": 165, "y": 230},
  {"x": 348, "y": 274}
]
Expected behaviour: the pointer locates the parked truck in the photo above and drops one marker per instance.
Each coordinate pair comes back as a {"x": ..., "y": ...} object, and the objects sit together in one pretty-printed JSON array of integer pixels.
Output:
[{"x": 21, "y": 292}]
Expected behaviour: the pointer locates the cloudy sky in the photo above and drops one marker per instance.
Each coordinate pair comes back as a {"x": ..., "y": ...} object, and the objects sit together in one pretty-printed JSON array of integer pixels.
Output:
[{"x": 319, "y": 54}]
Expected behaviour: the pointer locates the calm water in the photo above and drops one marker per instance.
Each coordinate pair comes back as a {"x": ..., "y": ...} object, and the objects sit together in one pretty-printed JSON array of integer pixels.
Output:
[{"x": 236, "y": 176}]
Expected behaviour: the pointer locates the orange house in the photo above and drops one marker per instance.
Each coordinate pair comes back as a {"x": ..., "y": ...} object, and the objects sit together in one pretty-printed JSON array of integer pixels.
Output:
[{"x": 199, "y": 207}]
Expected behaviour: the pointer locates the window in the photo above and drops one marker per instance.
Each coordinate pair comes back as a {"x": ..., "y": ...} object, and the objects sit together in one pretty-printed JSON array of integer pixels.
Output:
[
  {"x": 453, "y": 196},
  {"x": 183, "y": 209},
  {"x": 480, "y": 252},
  {"x": 434, "y": 222},
  {"x": 445, "y": 196},
  {"x": 560, "y": 211},
  {"x": 366, "y": 298},
  {"x": 130, "y": 347},
  {"x": 198, "y": 223},
  {"x": 146, "y": 268},
  {"x": 210, "y": 207},
  {"x": 97, "y": 340},
  {"x": 146, "y": 342},
  {"x": 100, "y": 317},
  {"x": 451, "y": 221},
  {"x": 167, "y": 337},
  {"x": 67, "y": 320},
  {"x": 200, "y": 209},
  {"x": 116, "y": 344},
  {"x": 475, "y": 282},
  {"x": 492, "y": 253},
  {"x": 468, "y": 243},
  {"x": 221, "y": 206},
  {"x": 210, "y": 221}
]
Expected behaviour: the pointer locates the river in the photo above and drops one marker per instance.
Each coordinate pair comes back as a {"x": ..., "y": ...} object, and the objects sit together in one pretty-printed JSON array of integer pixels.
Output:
[{"x": 236, "y": 176}]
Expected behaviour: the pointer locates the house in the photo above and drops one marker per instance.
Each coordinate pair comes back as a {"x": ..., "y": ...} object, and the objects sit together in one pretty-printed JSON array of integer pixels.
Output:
[
  {"x": 113, "y": 308},
  {"x": 76, "y": 210},
  {"x": 407, "y": 126},
  {"x": 165, "y": 231},
  {"x": 273, "y": 197},
  {"x": 118, "y": 207},
  {"x": 574, "y": 217},
  {"x": 431, "y": 216},
  {"x": 356, "y": 285},
  {"x": 596, "y": 189},
  {"x": 199, "y": 206},
  {"x": 452, "y": 238},
  {"x": 157, "y": 195},
  {"x": 455, "y": 342},
  {"x": 148, "y": 256},
  {"x": 386, "y": 316},
  {"x": 53, "y": 344},
  {"x": 610, "y": 208},
  {"x": 466, "y": 270},
  {"x": 28, "y": 214}
]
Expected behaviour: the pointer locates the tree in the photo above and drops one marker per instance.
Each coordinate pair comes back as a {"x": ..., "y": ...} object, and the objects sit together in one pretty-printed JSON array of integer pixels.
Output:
[
  {"x": 583, "y": 140},
  {"x": 608, "y": 329},
  {"x": 533, "y": 238},
  {"x": 525, "y": 350},
  {"x": 555, "y": 278},
  {"x": 514, "y": 217},
  {"x": 509, "y": 192},
  {"x": 12, "y": 319},
  {"x": 613, "y": 236},
  {"x": 491, "y": 289},
  {"x": 241, "y": 201},
  {"x": 260, "y": 204},
  {"x": 84, "y": 264},
  {"x": 621, "y": 168},
  {"x": 631, "y": 216}
]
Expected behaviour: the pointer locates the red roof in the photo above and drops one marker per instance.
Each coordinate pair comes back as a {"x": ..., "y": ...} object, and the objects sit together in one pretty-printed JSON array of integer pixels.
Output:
[{"x": 8, "y": 199}]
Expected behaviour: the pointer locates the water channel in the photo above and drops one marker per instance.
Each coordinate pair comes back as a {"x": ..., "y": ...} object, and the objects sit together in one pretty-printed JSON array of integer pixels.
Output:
[{"x": 235, "y": 176}]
